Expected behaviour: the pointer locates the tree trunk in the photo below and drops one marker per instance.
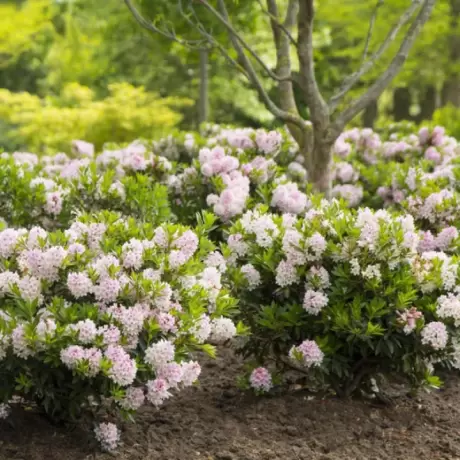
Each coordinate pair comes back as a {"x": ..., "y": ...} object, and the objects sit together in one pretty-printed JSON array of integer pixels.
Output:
[
  {"x": 203, "y": 103},
  {"x": 322, "y": 182},
  {"x": 319, "y": 162},
  {"x": 401, "y": 104},
  {"x": 451, "y": 92},
  {"x": 427, "y": 104},
  {"x": 370, "y": 114}
]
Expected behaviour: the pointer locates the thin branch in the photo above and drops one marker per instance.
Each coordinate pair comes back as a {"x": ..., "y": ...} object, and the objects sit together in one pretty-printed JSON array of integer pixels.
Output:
[
  {"x": 283, "y": 62},
  {"x": 352, "y": 79},
  {"x": 385, "y": 79},
  {"x": 282, "y": 43},
  {"x": 252, "y": 75},
  {"x": 371, "y": 30},
  {"x": 233, "y": 33},
  {"x": 273, "y": 13},
  {"x": 211, "y": 39},
  {"x": 282, "y": 26},
  {"x": 291, "y": 14},
  {"x": 195, "y": 44},
  {"x": 315, "y": 102}
]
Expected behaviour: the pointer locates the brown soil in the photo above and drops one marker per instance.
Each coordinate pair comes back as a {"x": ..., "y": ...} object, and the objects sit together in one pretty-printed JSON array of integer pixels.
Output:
[{"x": 217, "y": 422}]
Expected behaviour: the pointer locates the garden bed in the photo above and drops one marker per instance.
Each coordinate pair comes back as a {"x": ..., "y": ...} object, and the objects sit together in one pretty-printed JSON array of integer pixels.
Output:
[{"x": 217, "y": 422}]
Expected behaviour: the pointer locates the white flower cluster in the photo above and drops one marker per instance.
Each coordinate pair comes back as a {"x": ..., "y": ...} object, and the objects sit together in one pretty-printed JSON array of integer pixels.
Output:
[{"x": 101, "y": 302}]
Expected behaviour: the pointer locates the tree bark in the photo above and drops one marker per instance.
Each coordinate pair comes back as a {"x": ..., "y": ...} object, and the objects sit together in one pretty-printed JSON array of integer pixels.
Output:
[
  {"x": 319, "y": 161},
  {"x": 427, "y": 104},
  {"x": 401, "y": 104},
  {"x": 370, "y": 115},
  {"x": 451, "y": 92},
  {"x": 283, "y": 62},
  {"x": 203, "y": 102}
]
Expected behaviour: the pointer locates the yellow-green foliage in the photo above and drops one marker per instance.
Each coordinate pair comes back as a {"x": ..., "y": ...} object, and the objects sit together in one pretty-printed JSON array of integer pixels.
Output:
[
  {"x": 19, "y": 26},
  {"x": 127, "y": 113}
]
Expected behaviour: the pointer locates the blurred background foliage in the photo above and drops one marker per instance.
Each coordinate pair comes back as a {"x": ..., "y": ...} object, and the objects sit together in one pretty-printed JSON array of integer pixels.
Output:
[{"x": 85, "y": 69}]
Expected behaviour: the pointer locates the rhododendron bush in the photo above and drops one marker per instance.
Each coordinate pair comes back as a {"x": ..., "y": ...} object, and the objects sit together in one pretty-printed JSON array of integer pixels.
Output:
[
  {"x": 117, "y": 266},
  {"x": 50, "y": 191},
  {"x": 341, "y": 295},
  {"x": 104, "y": 317},
  {"x": 228, "y": 171}
]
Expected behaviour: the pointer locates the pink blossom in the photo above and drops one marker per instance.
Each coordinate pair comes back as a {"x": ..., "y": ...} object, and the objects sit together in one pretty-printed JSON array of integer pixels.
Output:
[
  {"x": 437, "y": 136},
  {"x": 123, "y": 370},
  {"x": 83, "y": 148},
  {"x": 157, "y": 391},
  {"x": 260, "y": 379},
  {"x": 134, "y": 398},
  {"x": 308, "y": 352},
  {"x": 190, "y": 372},
  {"x": 160, "y": 353},
  {"x": 289, "y": 199},
  {"x": 435, "y": 335},
  {"x": 432, "y": 154},
  {"x": 79, "y": 284},
  {"x": 53, "y": 203},
  {"x": 427, "y": 242},
  {"x": 445, "y": 238},
  {"x": 314, "y": 301},
  {"x": 171, "y": 372},
  {"x": 408, "y": 318},
  {"x": 286, "y": 274},
  {"x": 268, "y": 142},
  {"x": 107, "y": 290},
  {"x": 108, "y": 436},
  {"x": 424, "y": 135}
]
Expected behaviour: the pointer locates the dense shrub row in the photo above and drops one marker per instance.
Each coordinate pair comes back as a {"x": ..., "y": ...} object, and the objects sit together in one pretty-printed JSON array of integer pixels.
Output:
[{"x": 116, "y": 267}]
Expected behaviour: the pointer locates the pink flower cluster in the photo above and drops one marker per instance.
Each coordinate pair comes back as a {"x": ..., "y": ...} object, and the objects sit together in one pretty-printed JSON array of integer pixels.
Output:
[
  {"x": 442, "y": 241},
  {"x": 435, "y": 335},
  {"x": 308, "y": 354},
  {"x": 268, "y": 142},
  {"x": 214, "y": 162},
  {"x": 353, "y": 194},
  {"x": 261, "y": 379},
  {"x": 409, "y": 318},
  {"x": 232, "y": 200},
  {"x": 289, "y": 199},
  {"x": 260, "y": 170},
  {"x": 314, "y": 301},
  {"x": 108, "y": 436}
]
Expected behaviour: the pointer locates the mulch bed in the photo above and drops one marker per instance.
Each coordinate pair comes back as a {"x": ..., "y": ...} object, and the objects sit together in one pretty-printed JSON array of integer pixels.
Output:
[{"x": 215, "y": 421}]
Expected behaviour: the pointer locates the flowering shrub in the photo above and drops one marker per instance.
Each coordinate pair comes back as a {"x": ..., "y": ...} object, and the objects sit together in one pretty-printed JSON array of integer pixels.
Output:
[
  {"x": 104, "y": 317},
  {"x": 341, "y": 295},
  {"x": 105, "y": 294},
  {"x": 235, "y": 168},
  {"x": 224, "y": 178},
  {"x": 49, "y": 193},
  {"x": 229, "y": 171}
]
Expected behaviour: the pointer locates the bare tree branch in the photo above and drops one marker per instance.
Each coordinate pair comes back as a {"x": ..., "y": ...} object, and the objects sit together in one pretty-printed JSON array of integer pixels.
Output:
[
  {"x": 195, "y": 44},
  {"x": 371, "y": 29},
  {"x": 252, "y": 75},
  {"x": 233, "y": 33},
  {"x": 385, "y": 79},
  {"x": 352, "y": 79},
  {"x": 283, "y": 61},
  {"x": 214, "y": 43},
  {"x": 315, "y": 102},
  {"x": 283, "y": 26}
]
